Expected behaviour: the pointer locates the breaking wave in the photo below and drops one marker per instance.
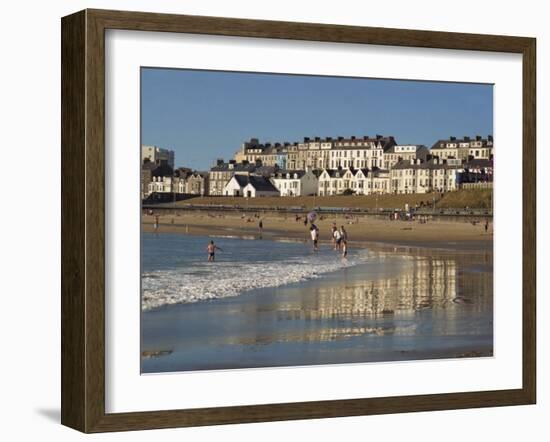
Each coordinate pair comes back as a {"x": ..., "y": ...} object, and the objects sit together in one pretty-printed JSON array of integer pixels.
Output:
[{"x": 205, "y": 281}]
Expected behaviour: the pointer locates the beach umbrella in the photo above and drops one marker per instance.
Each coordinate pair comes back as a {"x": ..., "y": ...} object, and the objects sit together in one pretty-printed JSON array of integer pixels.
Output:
[{"x": 312, "y": 216}]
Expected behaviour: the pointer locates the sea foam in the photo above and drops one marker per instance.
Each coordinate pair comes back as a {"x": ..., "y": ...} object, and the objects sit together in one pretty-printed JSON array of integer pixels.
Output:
[{"x": 205, "y": 281}]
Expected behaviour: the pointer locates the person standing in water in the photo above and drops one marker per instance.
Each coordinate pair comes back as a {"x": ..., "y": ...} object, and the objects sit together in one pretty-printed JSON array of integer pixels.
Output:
[
  {"x": 314, "y": 232},
  {"x": 212, "y": 251},
  {"x": 344, "y": 249},
  {"x": 332, "y": 235},
  {"x": 337, "y": 235},
  {"x": 343, "y": 233}
]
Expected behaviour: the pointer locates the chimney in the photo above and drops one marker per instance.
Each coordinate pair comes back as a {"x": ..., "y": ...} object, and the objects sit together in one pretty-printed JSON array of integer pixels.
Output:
[
  {"x": 366, "y": 137},
  {"x": 353, "y": 137},
  {"x": 306, "y": 139},
  {"x": 490, "y": 138},
  {"x": 466, "y": 138},
  {"x": 219, "y": 162},
  {"x": 378, "y": 137},
  {"x": 478, "y": 137},
  {"x": 232, "y": 161},
  {"x": 317, "y": 139},
  {"x": 452, "y": 138}
]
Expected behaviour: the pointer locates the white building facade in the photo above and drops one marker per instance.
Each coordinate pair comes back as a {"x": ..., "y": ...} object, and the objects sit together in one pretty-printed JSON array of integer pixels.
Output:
[
  {"x": 295, "y": 183},
  {"x": 417, "y": 176}
]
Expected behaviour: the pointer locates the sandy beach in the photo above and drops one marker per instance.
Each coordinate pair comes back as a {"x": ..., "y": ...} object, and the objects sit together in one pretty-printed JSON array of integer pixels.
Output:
[{"x": 453, "y": 233}]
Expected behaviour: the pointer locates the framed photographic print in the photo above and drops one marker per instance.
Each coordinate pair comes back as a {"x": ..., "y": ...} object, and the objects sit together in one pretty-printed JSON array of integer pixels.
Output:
[{"x": 270, "y": 220}]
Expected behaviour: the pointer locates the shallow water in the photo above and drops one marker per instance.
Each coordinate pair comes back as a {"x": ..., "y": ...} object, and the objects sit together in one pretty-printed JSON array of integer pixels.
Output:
[
  {"x": 175, "y": 268},
  {"x": 380, "y": 305}
]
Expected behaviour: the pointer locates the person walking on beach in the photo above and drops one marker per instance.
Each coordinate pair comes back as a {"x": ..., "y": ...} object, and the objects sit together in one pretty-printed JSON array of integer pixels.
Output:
[
  {"x": 156, "y": 224},
  {"x": 212, "y": 251},
  {"x": 261, "y": 227},
  {"x": 314, "y": 232}
]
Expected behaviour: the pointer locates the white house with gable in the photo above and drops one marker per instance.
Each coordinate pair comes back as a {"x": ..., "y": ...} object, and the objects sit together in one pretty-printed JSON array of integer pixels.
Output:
[
  {"x": 295, "y": 182},
  {"x": 250, "y": 186}
]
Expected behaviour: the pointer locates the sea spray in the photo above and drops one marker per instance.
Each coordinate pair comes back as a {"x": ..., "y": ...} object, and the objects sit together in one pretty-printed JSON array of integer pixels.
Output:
[{"x": 238, "y": 273}]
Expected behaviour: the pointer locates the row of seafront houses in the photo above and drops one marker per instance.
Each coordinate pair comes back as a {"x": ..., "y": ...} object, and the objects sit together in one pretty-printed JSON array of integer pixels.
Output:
[{"x": 329, "y": 166}]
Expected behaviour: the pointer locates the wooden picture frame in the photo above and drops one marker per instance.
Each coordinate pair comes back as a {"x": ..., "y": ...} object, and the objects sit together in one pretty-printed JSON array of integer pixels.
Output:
[{"x": 83, "y": 220}]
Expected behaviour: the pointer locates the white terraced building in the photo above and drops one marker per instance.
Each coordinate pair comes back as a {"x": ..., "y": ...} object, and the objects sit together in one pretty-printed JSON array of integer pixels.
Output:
[
  {"x": 465, "y": 148},
  {"x": 319, "y": 153},
  {"x": 404, "y": 152},
  {"x": 358, "y": 181},
  {"x": 295, "y": 182},
  {"x": 417, "y": 176}
]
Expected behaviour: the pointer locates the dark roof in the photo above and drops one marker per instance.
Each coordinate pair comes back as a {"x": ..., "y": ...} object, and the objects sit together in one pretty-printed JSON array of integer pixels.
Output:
[
  {"x": 283, "y": 173},
  {"x": 258, "y": 182},
  {"x": 477, "y": 163},
  {"x": 272, "y": 148},
  {"x": 237, "y": 167},
  {"x": 391, "y": 149},
  {"x": 385, "y": 142},
  {"x": 484, "y": 141},
  {"x": 262, "y": 184}
]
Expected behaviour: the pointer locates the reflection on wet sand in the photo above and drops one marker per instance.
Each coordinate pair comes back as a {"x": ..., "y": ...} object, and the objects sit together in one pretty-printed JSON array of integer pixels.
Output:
[
  {"x": 384, "y": 306},
  {"x": 397, "y": 306}
]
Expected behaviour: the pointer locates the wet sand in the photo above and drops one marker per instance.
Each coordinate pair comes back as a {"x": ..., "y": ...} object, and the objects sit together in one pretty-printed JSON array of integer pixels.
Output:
[
  {"x": 455, "y": 233},
  {"x": 405, "y": 304}
]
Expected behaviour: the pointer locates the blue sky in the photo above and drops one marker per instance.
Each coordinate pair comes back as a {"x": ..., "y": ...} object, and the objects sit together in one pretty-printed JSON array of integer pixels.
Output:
[{"x": 204, "y": 115}]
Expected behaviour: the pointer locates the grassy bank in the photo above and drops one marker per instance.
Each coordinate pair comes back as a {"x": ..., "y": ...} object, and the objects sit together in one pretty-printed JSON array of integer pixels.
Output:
[
  {"x": 474, "y": 198},
  {"x": 478, "y": 198}
]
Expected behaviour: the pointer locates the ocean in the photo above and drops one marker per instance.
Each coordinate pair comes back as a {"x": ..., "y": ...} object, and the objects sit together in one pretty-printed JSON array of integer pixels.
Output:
[
  {"x": 175, "y": 268},
  {"x": 269, "y": 303}
]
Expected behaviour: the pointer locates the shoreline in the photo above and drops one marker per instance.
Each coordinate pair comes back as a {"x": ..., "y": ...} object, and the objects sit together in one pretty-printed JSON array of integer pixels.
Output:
[{"x": 444, "y": 235}]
